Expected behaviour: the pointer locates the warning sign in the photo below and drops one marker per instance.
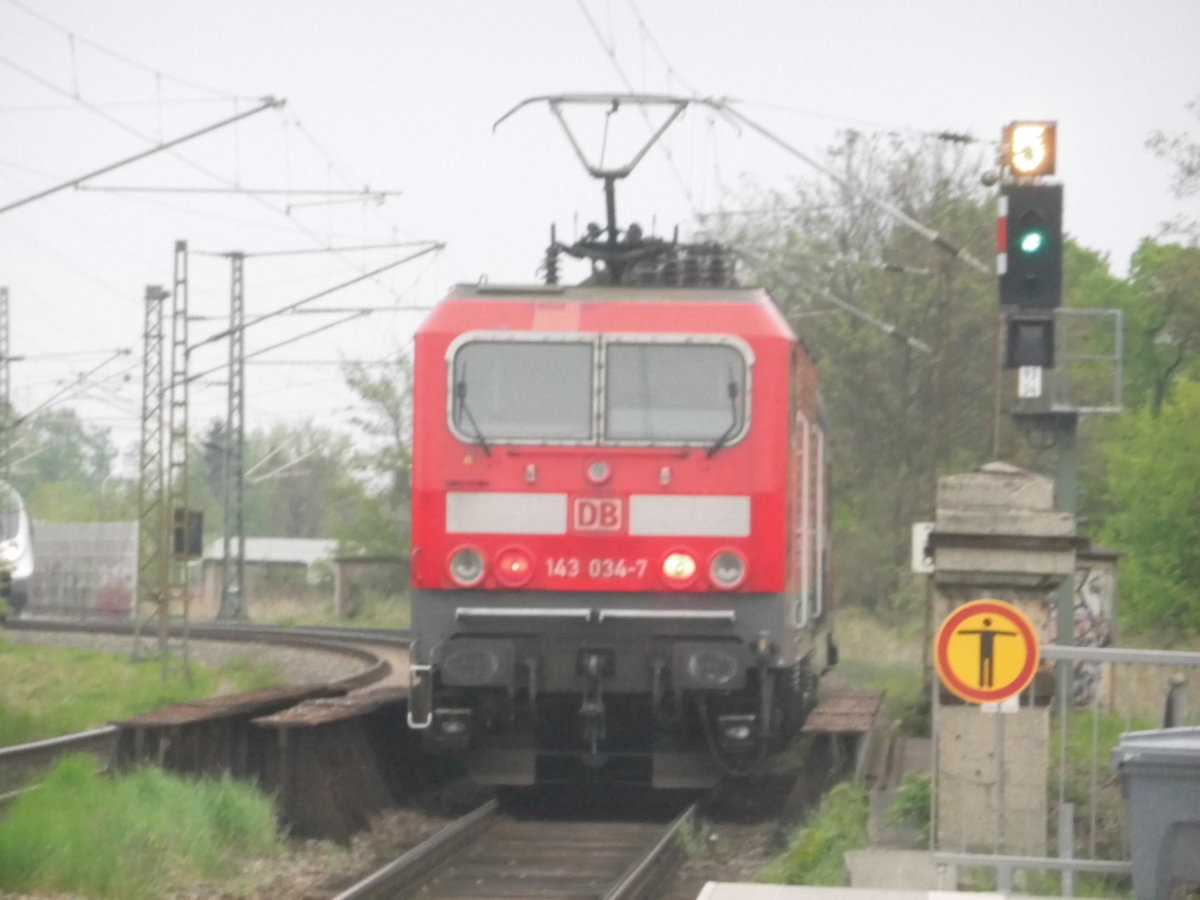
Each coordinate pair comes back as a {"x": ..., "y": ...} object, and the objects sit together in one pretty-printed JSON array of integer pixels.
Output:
[{"x": 986, "y": 651}]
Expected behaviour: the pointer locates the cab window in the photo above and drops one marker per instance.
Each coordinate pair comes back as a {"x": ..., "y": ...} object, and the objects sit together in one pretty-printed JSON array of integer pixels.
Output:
[
  {"x": 673, "y": 392},
  {"x": 523, "y": 390}
]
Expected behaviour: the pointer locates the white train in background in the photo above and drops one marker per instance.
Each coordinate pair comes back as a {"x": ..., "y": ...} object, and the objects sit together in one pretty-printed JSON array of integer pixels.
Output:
[{"x": 16, "y": 549}]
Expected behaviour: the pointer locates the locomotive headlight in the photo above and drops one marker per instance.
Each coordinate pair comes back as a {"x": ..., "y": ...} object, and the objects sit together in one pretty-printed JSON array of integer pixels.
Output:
[
  {"x": 466, "y": 566},
  {"x": 727, "y": 569},
  {"x": 679, "y": 568},
  {"x": 514, "y": 566},
  {"x": 9, "y": 552}
]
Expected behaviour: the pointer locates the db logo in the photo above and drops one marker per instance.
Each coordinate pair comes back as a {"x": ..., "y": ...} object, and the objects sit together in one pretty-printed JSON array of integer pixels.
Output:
[{"x": 597, "y": 515}]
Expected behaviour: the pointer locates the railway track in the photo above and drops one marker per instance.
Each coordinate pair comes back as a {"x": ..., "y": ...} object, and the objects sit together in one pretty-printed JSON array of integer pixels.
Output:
[
  {"x": 514, "y": 852},
  {"x": 19, "y": 761}
]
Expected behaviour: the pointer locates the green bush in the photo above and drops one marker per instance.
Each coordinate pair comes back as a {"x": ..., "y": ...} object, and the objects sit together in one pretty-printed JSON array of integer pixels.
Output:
[
  {"x": 912, "y": 806},
  {"x": 133, "y": 836},
  {"x": 814, "y": 854}
]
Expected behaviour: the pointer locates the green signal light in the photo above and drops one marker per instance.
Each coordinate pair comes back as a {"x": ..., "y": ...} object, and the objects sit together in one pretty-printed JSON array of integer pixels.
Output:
[{"x": 1032, "y": 242}]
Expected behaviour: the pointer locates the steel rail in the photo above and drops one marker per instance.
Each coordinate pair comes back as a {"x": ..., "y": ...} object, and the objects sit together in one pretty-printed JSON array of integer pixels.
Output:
[
  {"x": 408, "y": 869},
  {"x": 19, "y": 760},
  {"x": 648, "y": 873},
  {"x": 409, "y": 874},
  {"x": 218, "y": 630}
]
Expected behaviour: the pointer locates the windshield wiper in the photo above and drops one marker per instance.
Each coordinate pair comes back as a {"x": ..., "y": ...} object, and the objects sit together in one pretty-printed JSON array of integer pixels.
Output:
[
  {"x": 460, "y": 394},
  {"x": 734, "y": 425}
]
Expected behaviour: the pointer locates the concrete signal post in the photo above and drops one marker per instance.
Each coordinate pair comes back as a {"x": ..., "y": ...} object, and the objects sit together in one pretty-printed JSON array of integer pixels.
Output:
[{"x": 999, "y": 548}]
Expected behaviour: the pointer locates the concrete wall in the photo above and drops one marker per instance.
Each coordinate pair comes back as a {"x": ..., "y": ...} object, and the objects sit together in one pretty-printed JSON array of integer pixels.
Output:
[{"x": 986, "y": 803}]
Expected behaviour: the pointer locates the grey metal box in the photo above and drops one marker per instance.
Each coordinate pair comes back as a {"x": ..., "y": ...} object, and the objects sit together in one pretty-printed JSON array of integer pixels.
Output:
[{"x": 1160, "y": 778}]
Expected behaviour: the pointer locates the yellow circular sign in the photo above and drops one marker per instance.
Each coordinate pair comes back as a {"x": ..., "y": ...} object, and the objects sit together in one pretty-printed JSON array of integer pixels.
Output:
[{"x": 986, "y": 651}]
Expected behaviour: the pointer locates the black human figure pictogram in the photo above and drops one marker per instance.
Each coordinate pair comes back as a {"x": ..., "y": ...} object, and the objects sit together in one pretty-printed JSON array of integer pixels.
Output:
[{"x": 987, "y": 649}]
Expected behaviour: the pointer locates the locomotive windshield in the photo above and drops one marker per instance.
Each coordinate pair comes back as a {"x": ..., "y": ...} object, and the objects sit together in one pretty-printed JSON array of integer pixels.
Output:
[
  {"x": 651, "y": 391},
  {"x": 673, "y": 392},
  {"x": 523, "y": 390}
]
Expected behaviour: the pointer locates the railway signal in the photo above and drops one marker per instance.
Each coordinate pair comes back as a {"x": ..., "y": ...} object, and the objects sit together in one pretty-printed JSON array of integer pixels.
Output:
[{"x": 1031, "y": 246}]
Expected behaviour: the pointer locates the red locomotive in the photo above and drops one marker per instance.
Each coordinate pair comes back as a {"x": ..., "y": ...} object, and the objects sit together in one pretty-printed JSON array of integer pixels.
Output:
[{"x": 620, "y": 541}]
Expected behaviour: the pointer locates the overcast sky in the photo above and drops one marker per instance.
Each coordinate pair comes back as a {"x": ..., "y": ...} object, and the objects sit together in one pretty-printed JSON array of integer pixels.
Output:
[{"x": 402, "y": 96}]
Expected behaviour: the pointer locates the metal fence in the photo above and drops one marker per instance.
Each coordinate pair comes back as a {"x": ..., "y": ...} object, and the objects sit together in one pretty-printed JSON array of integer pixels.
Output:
[
  {"x": 84, "y": 567},
  {"x": 1041, "y": 794}
]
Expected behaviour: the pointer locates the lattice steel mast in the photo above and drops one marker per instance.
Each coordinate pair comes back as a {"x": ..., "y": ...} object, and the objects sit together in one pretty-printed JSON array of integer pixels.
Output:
[
  {"x": 233, "y": 569},
  {"x": 177, "y": 595},
  {"x": 153, "y": 554}
]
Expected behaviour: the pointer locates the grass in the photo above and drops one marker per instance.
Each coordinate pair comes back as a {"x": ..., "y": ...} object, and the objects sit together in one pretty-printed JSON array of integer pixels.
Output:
[
  {"x": 134, "y": 836},
  {"x": 886, "y": 659},
  {"x": 814, "y": 854},
  {"x": 374, "y": 611},
  {"x": 47, "y": 691},
  {"x": 863, "y": 636}
]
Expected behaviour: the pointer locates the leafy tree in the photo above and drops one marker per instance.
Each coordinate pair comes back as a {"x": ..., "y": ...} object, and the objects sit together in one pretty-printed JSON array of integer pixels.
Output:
[
  {"x": 1153, "y": 486},
  {"x": 386, "y": 467},
  {"x": 61, "y": 466},
  {"x": 211, "y": 451},
  {"x": 1163, "y": 321},
  {"x": 299, "y": 481},
  {"x": 304, "y": 486},
  {"x": 1184, "y": 151},
  {"x": 898, "y": 417}
]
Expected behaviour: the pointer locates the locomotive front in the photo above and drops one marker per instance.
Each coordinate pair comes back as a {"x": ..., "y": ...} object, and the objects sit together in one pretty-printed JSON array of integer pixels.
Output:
[{"x": 617, "y": 533}]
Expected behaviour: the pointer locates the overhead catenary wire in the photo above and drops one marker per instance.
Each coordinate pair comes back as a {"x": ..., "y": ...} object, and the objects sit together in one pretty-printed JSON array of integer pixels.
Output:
[
  {"x": 74, "y": 38},
  {"x": 267, "y": 103},
  {"x": 316, "y": 238},
  {"x": 887, "y": 328},
  {"x": 41, "y": 357},
  {"x": 932, "y": 235},
  {"x": 611, "y": 52},
  {"x": 308, "y": 251},
  {"x": 829, "y": 297},
  {"x": 364, "y": 193},
  {"x": 672, "y": 72},
  {"x": 945, "y": 134},
  {"x": 283, "y": 343},
  {"x": 83, "y": 377},
  {"x": 324, "y": 362},
  {"x": 74, "y": 93},
  {"x": 110, "y": 104},
  {"x": 324, "y": 293}
]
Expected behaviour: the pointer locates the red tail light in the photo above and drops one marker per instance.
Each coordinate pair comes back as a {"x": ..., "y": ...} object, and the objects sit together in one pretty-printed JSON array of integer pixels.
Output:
[{"x": 514, "y": 566}]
